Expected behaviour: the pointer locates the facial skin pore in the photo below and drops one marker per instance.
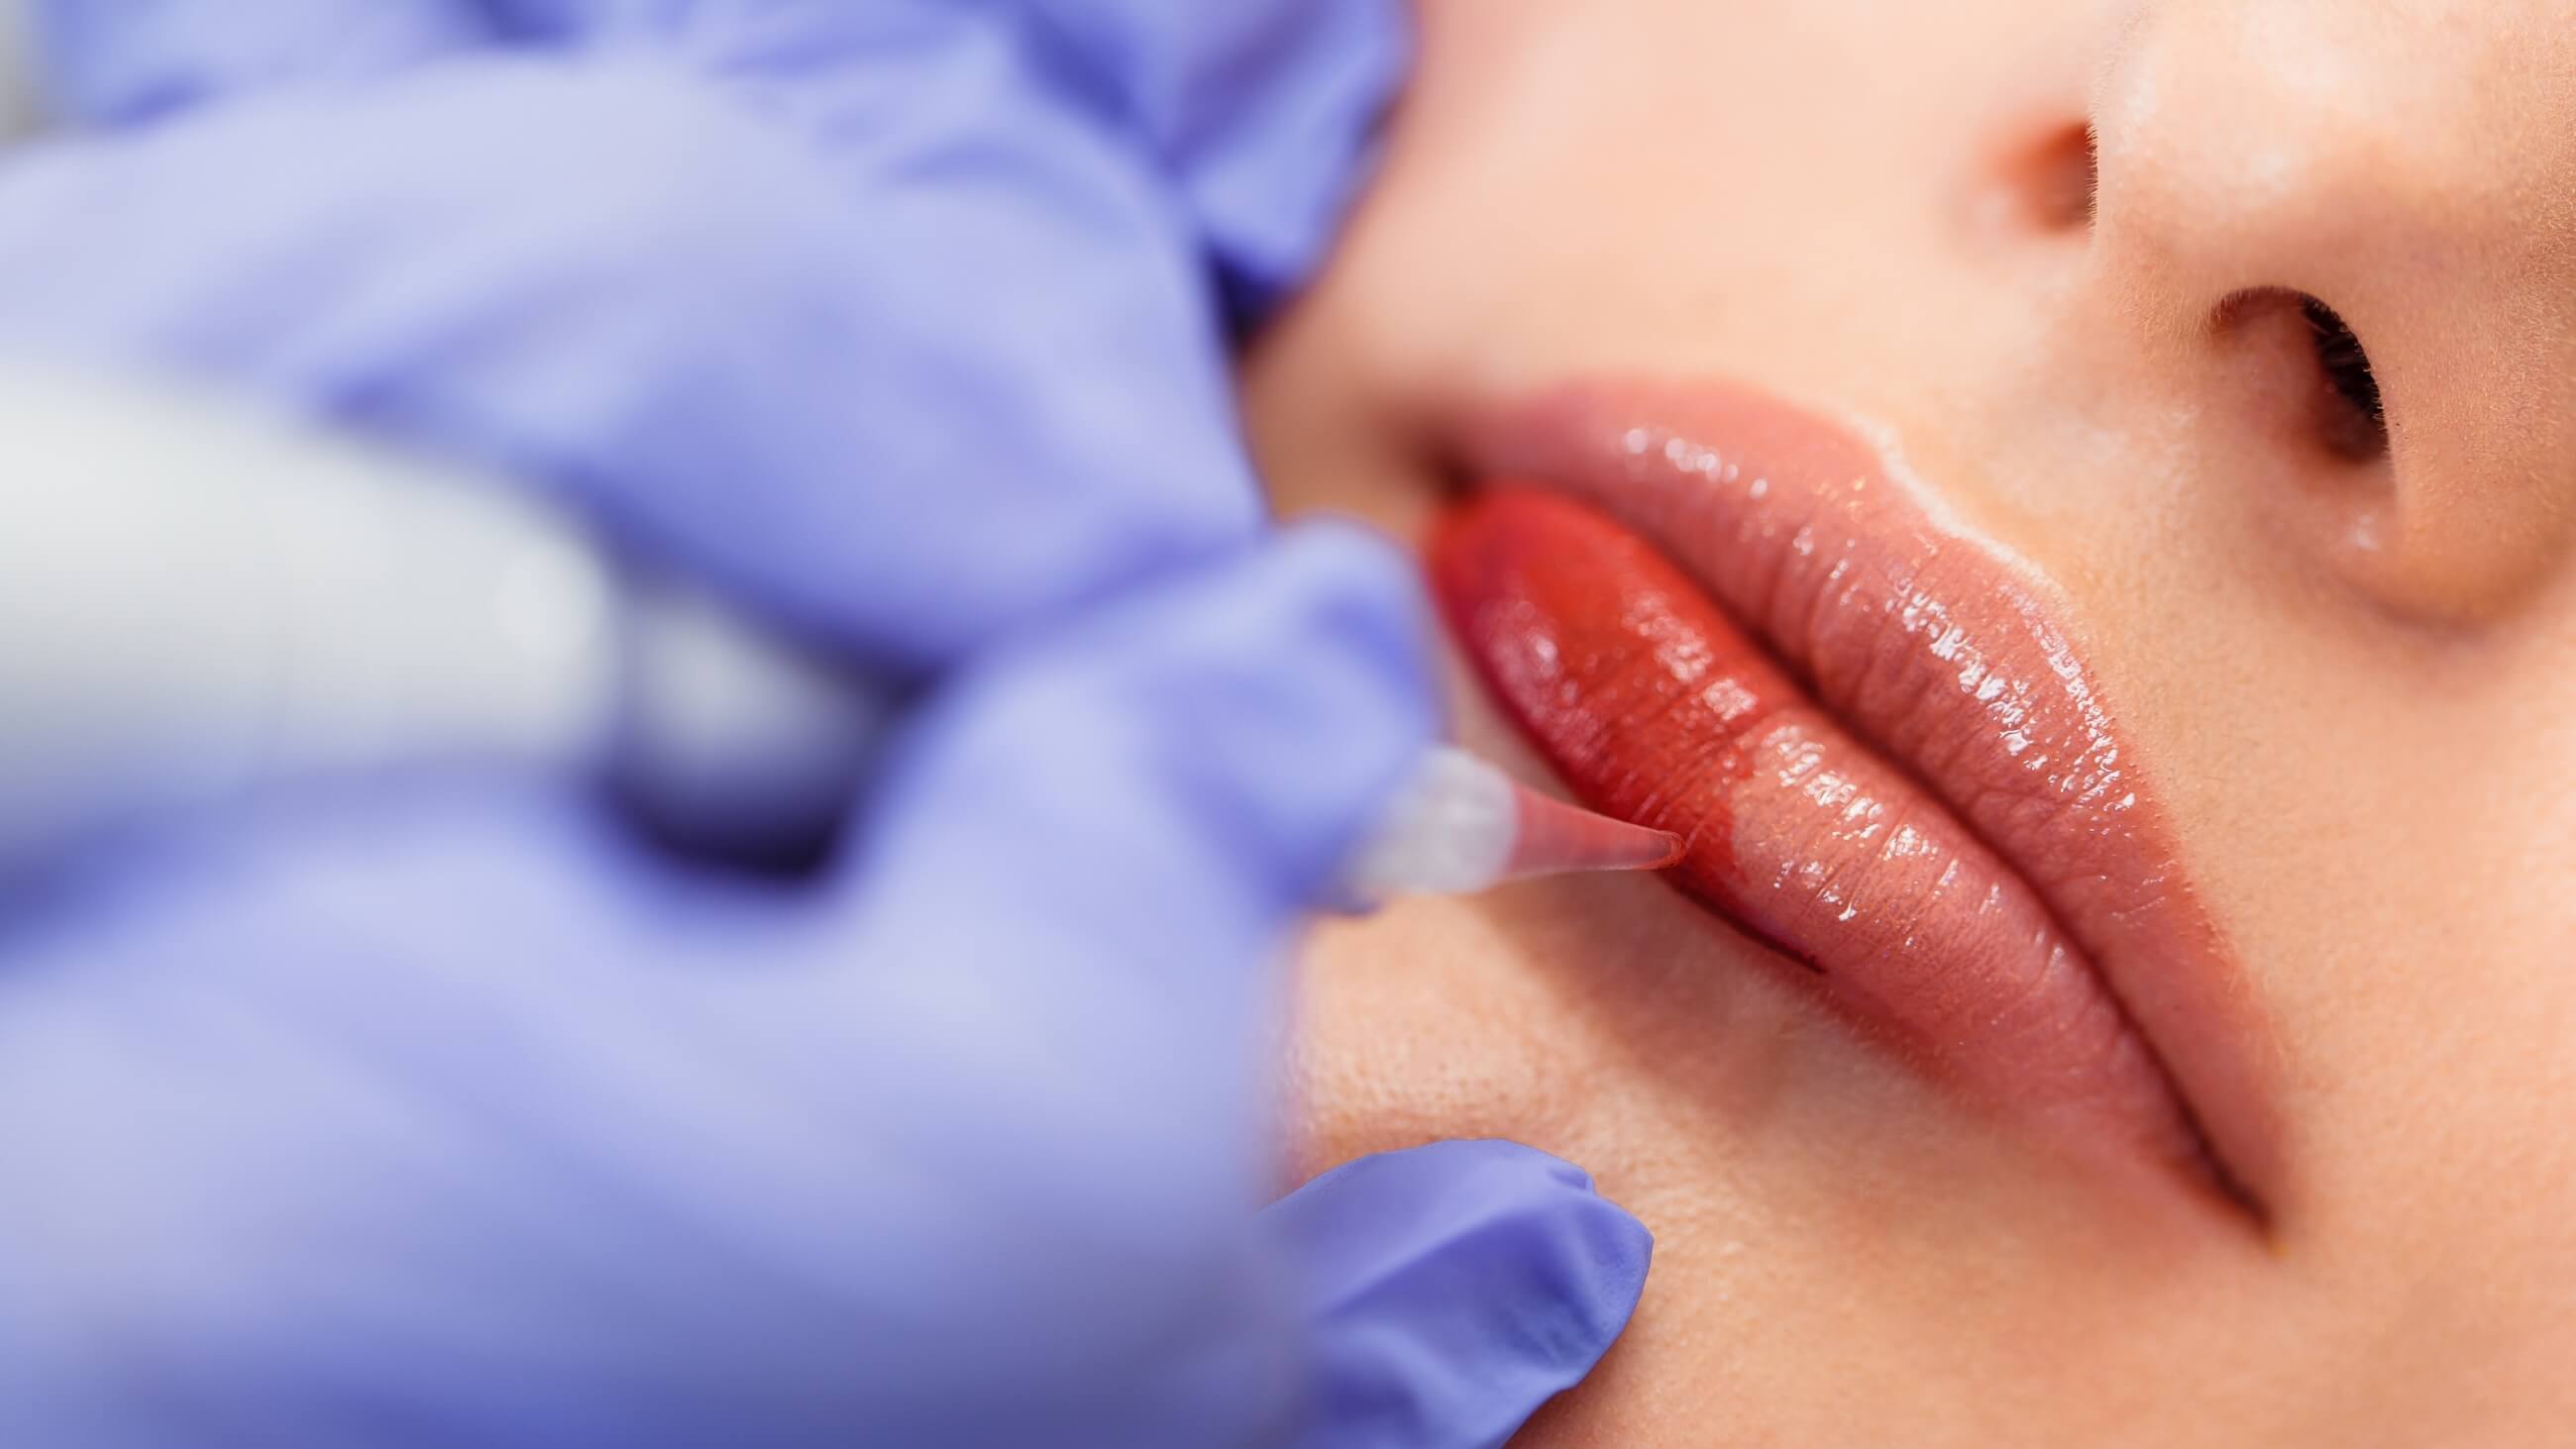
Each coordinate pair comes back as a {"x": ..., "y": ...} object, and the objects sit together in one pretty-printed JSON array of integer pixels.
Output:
[{"x": 2080, "y": 265}]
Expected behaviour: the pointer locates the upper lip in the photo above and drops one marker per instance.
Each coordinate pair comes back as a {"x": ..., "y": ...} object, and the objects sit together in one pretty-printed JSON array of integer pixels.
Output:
[{"x": 1943, "y": 656}]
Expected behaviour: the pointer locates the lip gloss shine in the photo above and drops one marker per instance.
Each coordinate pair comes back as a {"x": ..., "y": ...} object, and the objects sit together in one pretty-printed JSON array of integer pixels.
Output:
[{"x": 1724, "y": 614}]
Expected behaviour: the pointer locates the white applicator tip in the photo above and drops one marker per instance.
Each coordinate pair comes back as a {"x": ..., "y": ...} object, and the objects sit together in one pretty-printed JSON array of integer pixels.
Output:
[
  {"x": 1462, "y": 826},
  {"x": 1555, "y": 838}
]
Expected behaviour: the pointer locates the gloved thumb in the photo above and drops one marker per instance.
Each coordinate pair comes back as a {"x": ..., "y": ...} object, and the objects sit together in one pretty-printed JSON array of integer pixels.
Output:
[{"x": 1452, "y": 1289}]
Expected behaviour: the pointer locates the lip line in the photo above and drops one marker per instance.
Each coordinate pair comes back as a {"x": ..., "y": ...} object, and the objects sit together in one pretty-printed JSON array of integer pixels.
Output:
[{"x": 2235, "y": 1143}]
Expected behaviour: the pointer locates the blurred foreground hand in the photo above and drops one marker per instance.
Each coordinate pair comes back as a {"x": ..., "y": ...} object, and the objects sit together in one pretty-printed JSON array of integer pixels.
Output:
[{"x": 447, "y": 1113}]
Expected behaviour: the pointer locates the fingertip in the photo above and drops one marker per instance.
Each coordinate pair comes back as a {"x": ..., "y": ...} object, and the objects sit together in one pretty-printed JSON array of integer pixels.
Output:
[
  {"x": 1319, "y": 673},
  {"x": 1599, "y": 1251},
  {"x": 1368, "y": 591},
  {"x": 1358, "y": 557},
  {"x": 1192, "y": 765},
  {"x": 1616, "y": 1250},
  {"x": 1456, "y": 1287},
  {"x": 1266, "y": 114}
]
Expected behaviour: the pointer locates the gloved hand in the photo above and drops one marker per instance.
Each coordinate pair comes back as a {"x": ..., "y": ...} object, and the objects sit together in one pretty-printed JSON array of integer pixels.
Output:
[{"x": 445, "y": 1112}]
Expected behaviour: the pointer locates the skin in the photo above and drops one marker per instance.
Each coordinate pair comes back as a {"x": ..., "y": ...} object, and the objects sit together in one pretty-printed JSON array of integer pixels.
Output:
[{"x": 2352, "y": 680}]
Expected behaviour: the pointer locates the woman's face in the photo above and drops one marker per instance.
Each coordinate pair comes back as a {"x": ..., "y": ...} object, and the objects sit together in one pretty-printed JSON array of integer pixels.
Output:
[{"x": 2334, "y": 646}]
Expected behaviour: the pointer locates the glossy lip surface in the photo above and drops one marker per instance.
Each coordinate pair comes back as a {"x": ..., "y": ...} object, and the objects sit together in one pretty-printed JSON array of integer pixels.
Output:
[{"x": 1924, "y": 800}]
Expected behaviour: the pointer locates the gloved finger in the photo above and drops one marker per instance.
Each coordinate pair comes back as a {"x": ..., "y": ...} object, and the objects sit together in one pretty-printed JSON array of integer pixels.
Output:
[
  {"x": 450, "y": 1111},
  {"x": 118, "y": 64},
  {"x": 1267, "y": 114},
  {"x": 1453, "y": 1289},
  {"x": 1073, "y": 893},
  {"x": 1172, "y": 785},
  {"x": 902, "y": 426},
  {"x": 1261, "y": 113}
]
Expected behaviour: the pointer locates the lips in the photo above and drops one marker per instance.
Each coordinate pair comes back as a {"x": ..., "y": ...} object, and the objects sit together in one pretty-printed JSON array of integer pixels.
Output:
[{"x": 1722, "y": 616}]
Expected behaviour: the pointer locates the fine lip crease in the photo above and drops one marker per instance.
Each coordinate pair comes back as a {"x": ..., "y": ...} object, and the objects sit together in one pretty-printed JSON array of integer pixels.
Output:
[{"x": 1721, "y": 474}]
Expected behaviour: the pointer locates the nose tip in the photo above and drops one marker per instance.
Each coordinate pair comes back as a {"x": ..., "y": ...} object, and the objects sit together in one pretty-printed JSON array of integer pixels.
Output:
[
  {"x": 2268, "y": 143},
  {"x": 2384, "y": 168}
]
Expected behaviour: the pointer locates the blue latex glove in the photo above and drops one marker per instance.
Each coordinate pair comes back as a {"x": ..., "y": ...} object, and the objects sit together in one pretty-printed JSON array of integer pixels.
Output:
[{"x": 438, "y": 1115}]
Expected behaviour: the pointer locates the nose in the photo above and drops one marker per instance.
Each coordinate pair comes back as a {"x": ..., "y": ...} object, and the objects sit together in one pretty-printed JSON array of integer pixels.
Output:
[{"x": 2358, "y": 223}]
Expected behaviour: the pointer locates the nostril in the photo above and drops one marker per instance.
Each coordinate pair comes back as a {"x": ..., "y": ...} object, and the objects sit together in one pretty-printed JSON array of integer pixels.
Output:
[
  {"x": 2355, "y": 421},
  {"x": 2309, "y": 368},
  {"x": 2056, "y": 181}
]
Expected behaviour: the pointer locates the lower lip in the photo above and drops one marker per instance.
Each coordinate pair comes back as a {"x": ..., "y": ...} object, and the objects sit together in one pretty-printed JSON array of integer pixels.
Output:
[
  {"x": 1658, "y": 710},
  {"x": 1879, "y": 894}
]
